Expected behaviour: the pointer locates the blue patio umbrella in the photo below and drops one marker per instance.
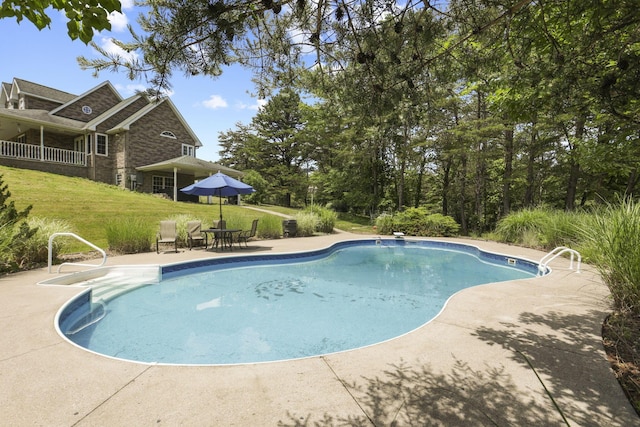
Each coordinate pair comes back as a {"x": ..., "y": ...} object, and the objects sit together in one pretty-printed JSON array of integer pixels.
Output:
[{"x": 220, "y": 185}]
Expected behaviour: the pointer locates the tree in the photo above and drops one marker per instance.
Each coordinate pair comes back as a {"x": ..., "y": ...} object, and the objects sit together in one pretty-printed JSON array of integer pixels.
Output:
[
  {"x": 14, "y": 231},
  {"x": 272, "y": 146},
  {"x": 84, "y": 17}
]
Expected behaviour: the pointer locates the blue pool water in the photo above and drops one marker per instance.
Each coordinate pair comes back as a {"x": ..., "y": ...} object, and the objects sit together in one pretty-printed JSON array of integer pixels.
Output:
[{"x": 253, "y": 310}]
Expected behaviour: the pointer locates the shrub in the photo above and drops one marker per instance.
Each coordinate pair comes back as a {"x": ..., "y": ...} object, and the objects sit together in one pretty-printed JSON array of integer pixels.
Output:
[
  {"x": 419, "y": 222},
  {"x": 384, "y": 223},
  {"x": 441, "y": 225},
  {"x": 307, "y": 222},
  {"x": 14, "y": 231},
  {"x": 35, "y": 250},
  {"x": 611, "y": 241},
  {"x": 129, "y": 236},
  {"x": 326, "y": 218}
]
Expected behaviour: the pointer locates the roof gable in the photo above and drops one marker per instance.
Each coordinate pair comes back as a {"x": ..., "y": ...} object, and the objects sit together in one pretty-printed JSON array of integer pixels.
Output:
[
  {"x": 126, "y": 124},
  {"x": 93, "y": 124},
  {"x": 36, "y": 90},
  {"x": 5, "y": 89},
  {"x": 90, "y": 104}
]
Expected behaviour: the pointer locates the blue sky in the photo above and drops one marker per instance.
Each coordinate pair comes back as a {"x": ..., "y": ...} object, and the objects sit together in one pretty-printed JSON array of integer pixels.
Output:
[{"x": 48, "y": 57}]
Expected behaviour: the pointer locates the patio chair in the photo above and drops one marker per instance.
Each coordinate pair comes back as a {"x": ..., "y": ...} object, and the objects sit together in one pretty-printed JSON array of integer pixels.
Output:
[
  {"x": 167, "y": 234},
  {"x": 195, "y": 234},
  {"x": 220, "y": 223},
  {"x": 244, "y": 236}
]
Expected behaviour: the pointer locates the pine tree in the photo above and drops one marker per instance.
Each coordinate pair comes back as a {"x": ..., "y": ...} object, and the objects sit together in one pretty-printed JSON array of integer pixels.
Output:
[{"x": 14, "y": 230}]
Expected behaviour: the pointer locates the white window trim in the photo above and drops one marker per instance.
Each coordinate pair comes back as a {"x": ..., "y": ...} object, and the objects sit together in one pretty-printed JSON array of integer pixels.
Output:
[
  {"x": 168, "y": 134},
  {"x": 106, "y": 144},
  {"x": 164, "y": 180},
  {"x": 188, "y": 150}
]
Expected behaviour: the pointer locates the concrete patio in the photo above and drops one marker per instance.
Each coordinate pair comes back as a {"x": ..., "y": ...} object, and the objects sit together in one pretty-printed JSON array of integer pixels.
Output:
[{"x": 469, "y": 366}]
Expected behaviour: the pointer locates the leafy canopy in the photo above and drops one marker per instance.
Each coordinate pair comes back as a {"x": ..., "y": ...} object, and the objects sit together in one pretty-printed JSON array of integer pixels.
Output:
[{"x": 84, "y": 17}]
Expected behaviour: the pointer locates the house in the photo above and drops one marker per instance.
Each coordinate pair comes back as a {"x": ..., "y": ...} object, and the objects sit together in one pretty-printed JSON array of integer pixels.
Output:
[{"x": 136, "y": 143}]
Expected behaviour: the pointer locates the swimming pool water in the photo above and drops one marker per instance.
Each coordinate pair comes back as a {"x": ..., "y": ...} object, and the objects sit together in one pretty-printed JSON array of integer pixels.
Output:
[{"x": 356, "y": 296}]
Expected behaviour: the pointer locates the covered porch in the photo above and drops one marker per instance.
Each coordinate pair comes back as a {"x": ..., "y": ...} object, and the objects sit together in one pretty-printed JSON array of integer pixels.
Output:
[
  {"x": 180, "y": 172},
  {"x": 35, "y": 135}
]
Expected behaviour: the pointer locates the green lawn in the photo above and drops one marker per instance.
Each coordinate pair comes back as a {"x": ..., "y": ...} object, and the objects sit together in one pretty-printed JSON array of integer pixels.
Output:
[{"x": 88, "y": 206}]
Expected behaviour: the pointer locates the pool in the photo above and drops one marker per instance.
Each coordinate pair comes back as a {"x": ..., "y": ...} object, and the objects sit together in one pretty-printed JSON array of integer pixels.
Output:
[{"x": 261, "y": 308}]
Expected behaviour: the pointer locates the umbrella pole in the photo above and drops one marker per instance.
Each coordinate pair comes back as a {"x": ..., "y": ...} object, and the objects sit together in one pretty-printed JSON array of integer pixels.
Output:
[{"x": 220, "y": 204}]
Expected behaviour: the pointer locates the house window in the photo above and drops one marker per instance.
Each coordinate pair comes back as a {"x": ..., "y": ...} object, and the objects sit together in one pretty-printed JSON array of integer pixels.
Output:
[
  {"x": 89, "y": 146},
  {"x": 163, "y": 184},
  {"x": 22, "y": 139},
  {"x": 168, "y": 134},
  {"x": 188, "y": 150},
  {"x": 101, "y": 144},
  {"x": 78, "y": 144},
  {"x": 21, "y": 104}
]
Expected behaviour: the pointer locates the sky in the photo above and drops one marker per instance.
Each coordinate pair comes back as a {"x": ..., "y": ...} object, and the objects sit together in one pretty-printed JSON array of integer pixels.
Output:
[{"x": 49, "y": 57}]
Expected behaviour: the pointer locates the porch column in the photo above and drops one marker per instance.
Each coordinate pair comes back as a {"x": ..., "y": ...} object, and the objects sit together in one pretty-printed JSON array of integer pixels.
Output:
[
  {"x": 175, "y": 184},
  {"x": 41, "y": 143}
]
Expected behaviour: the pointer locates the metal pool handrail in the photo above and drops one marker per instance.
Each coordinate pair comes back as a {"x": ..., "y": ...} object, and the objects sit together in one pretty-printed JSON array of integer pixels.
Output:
[
  {"x": 54, "y": 235},
  {"x": 545, "y": 260}
]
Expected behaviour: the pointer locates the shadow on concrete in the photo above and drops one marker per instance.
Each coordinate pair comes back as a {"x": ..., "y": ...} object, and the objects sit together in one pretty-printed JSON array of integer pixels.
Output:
[
  {"x": 561, "y": 348},
  {"x": 410, "y": 397},
  {"x": 566, "y": 350}
]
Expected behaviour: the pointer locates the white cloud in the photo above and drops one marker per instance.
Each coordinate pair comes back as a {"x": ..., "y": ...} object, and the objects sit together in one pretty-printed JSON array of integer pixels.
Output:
[
  {"x": 108, "y": 45},
  {"x": 127, "y": 4},
  {"x": 129, "y": 89},
  {"x": 118, "y": 21},
  {"x": 258, "y": 105},
  {"x": 214, "y": 102}
]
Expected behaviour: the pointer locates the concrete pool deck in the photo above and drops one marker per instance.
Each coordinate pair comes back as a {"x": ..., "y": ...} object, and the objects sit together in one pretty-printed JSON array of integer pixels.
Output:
[{"x": 466, "y": 367}]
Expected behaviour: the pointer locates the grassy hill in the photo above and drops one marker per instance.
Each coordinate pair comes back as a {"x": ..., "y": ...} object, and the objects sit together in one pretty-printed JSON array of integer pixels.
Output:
[{"x": 88, "y": 206}]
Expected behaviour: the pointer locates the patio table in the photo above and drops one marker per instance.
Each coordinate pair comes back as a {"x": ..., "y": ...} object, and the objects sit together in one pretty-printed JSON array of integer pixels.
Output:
[{"x": 222, "y": 236}]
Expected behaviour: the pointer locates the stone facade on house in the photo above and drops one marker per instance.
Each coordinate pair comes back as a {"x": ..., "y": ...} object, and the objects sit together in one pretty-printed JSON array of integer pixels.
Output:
[{"x": 136, "y": 143}]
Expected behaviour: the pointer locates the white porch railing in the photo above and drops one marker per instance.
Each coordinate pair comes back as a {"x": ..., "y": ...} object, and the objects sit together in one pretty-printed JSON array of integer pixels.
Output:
[{"x": 19, "y": 150}]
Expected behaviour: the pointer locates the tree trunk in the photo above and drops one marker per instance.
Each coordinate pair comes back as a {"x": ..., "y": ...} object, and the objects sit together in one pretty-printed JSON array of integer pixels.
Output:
[
  {"x": 508, "y": 172},
  {"x": 529, "y": 189},
  {"x": 464, "y": 227},
  {"x": 632, "y": 181},
  {"x": 418, "y": 189},
  {"x": 574, "y": 171},
  {"x": 446, "y": 183}
]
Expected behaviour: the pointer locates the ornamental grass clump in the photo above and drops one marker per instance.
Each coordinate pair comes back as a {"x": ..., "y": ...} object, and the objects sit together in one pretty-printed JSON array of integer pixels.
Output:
[
  {"x": 35, "y": 250},
  {"x": 306, "y": 223},
  {"x": 269, "y": 227},
  {"x": 611, "y": 242},
  {"x": 326, "y": 218},
  {"x": 525, "y": 227},
  {"x": 540, "y": 228},
  {"x": 129, "y": 236}
]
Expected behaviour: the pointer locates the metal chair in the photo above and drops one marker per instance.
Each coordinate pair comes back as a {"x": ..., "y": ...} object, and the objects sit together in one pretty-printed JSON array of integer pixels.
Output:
[
  {"x": 167, "y": 234},
  {"x": 195, "y": 234},
  {"x": 244, "y": 236}
]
